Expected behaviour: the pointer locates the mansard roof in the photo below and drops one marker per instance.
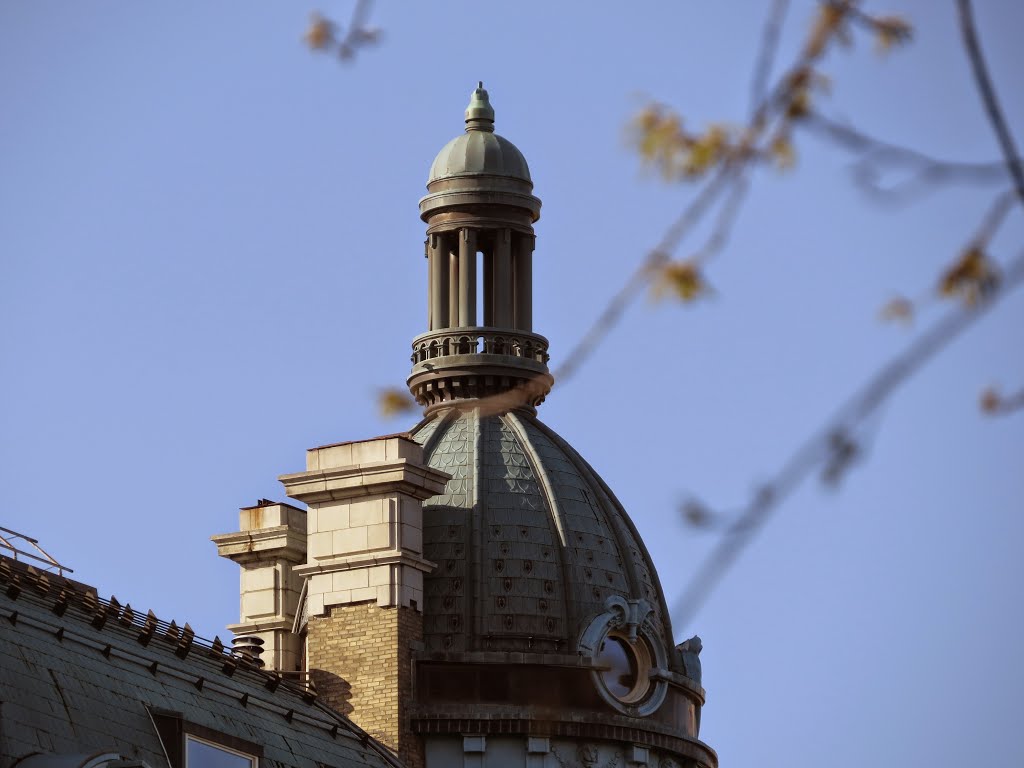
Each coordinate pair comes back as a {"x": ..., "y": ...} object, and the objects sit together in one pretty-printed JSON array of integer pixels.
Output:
[{"x": 90, "y": 679}]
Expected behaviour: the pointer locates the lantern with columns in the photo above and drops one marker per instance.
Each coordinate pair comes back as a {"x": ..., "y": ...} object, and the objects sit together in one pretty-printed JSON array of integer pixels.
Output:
[{"x": 479, "y": 212}]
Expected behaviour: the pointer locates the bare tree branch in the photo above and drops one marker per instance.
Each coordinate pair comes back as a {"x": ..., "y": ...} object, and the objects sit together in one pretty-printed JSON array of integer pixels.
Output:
[
  {"x": 988, "y": 96},
  {"x": 879, "y": 157},
  {"x": 766, "y": 56},
  {"x": 658, "y": 257},
  {"x": 818, "y": 453}
]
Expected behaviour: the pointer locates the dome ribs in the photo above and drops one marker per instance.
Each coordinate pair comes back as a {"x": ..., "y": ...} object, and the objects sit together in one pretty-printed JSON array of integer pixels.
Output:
[
  {"x": 528, "y": 540},
  {"x": 642, "y": 565}
]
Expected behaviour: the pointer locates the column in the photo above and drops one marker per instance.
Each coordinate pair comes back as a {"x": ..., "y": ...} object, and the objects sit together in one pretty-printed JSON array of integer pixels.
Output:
[
  {"x": 489, "y": 287},
  {"x": 438, "y": 283},
  {"x": 503, "y": 279},
  {"x": 451, "y": 249},
  {"x": 524, "y": 282},
  {"x": 430, "y": 284},
  {"x": 467, "y": 277}
]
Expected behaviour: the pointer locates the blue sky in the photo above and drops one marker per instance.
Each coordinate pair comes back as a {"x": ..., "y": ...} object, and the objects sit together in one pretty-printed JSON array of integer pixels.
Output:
[{"x": 211, "y": 258}]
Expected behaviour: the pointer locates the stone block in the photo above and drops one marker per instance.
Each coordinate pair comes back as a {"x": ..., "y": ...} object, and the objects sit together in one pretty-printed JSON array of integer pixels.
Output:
[
  {"x": 271, "y": 516},
  {"x": 379, "y": 574},
  {"x": 333, "y": 517},
  {"x": 409, "y": 596},
  {"x": 380, "y": 536},
  {"x": 412, "y": 538},
  {"x": 319, "y": 583},
  {"x": 329, "y": 456},
  {"x": 320, "y": 545},
  {"x": 254, "y": 579},
  {"x": 368, "y": 512},
  {"x": 315, "y": 605},
  {"x": 402, "y": 448},
  {"x": 412, "y": 577},
  {"x": 538, "y": 745},
  {"x": 260, "y": 603},
  {"x": 363, "y": 594},
  {"x": 639, "y": 755},
  {"x": 410, "y": 511},
  {"x": 349, "y": 541},
  {"x": 341, "y": 597},
  {"x": 351, "y": 579},
  {"x": 386, "y": 595},
  {"x": 370, "y": 451}
]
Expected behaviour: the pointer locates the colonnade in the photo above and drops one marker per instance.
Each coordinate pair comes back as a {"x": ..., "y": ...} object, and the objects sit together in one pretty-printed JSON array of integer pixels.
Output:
[{"x": 507, "y": 283}]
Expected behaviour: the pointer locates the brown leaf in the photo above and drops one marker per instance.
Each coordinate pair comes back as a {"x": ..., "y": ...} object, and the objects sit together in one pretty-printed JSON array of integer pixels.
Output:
[
  {"x": 683, "y": 278},
  {"x": 898, "y": 309},
  {"x": 799, "y": 104},
  {"x": 991, "y": 401},
  {"x": 891, "y": 31},
  {"x": 827, "y": 23},
  {"x": 781, "y": 151},
  {"x": 972, "y": 277},
  {"x": 392, "y": 402},
  {"x": 320, "y": 33}
]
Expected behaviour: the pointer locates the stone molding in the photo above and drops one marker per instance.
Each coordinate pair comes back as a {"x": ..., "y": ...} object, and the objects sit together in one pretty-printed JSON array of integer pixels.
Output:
[
  {"x": 358, "y": 480},
  {"x": 281, "y": 541}
]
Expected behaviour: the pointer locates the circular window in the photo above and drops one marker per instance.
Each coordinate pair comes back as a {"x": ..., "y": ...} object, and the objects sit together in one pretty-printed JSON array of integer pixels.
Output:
[{"x": 626, "y": 667}]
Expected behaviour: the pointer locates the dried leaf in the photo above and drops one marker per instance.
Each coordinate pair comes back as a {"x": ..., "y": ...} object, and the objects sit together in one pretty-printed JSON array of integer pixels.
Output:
[
  {"x": 392, "y": 402},
  {"x": 799, "y": 104},
  {"x": 972, "y": 277},
  {"x": 320, "y": 33},
  {"x": 898, "y": 309},
  {"x": 683, "y": 278},
  {"x": 827, "y": 23},
  {"x": 781, "y": 152},
  {"x": 991, "y": 401},
  {"x": 891, "y": 31},
  {"x": 696, "y": 514}
]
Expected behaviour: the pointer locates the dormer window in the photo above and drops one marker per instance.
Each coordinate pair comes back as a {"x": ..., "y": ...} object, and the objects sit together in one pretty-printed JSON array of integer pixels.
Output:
[
  {"x": 200, "y": 753},
  {"x": 191, "y": 745}
]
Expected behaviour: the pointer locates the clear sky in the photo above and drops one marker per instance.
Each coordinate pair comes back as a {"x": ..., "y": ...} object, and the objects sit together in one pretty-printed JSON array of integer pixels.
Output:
[{"x": 211, "y": 258}]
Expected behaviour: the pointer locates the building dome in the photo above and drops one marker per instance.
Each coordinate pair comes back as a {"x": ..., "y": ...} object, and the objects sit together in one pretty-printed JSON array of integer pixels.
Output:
[
  {"x": 530, "y": 543},
  {"x": 479, "y": 151}
]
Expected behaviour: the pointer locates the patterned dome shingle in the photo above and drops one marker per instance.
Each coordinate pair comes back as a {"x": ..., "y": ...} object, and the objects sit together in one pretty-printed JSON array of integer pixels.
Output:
[{"x": 529, "y": 542}]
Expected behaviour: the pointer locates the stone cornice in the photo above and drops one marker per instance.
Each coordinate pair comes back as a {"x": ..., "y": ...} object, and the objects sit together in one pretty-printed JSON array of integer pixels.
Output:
[
  {"x": 358, "y": 480},
  {"x": 266, "y": 625},
  {"x": 538, "y": 721},
  {"x": 365, "y": 560},
  {"x": 281, "y": 541}
]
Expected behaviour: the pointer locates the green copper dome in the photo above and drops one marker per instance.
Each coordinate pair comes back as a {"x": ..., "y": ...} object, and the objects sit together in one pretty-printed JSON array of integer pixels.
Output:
[
  {"x": 479, "y": 151},
  {"x": 530, "y": 543}
]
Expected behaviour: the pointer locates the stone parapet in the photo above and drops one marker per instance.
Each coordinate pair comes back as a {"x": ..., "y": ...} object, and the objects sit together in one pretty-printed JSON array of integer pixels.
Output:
[
  {"x": 271, "y": 541},
  {"x": 365, "y": 522}
]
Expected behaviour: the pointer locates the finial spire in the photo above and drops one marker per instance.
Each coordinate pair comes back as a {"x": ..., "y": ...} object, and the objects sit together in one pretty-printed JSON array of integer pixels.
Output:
[{"x": 479, "y": 113}]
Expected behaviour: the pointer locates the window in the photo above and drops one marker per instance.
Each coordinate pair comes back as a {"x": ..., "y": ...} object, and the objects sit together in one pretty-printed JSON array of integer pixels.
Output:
[
  {"x": 191, "y": 745},
  {"x": 205, "y": 754},
  {"x": 625, "y": 667}
]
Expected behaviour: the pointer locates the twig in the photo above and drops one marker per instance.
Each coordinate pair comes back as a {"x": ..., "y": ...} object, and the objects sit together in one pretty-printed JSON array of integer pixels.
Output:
[
  {"x": 925, "y": 169},
  {"x": 766, "y": 56},
  {"x": 988, "y": 96},
  {"x": 816, "y": 452},
  {"x": 641, "y": 276}
]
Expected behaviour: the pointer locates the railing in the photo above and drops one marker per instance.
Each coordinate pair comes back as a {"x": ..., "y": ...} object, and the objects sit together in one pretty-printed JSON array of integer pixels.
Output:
[
  {"x": 36, "y": 555},
  {"x": 479, "y": 341}
]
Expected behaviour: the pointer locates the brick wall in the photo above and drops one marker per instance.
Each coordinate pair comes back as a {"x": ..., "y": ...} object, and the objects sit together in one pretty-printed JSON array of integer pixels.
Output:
[{"x": 370, "y": 648}]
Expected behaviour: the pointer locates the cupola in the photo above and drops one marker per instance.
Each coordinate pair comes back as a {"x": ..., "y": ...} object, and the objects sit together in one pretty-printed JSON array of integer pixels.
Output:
[{"x": 479, "y": 212}]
